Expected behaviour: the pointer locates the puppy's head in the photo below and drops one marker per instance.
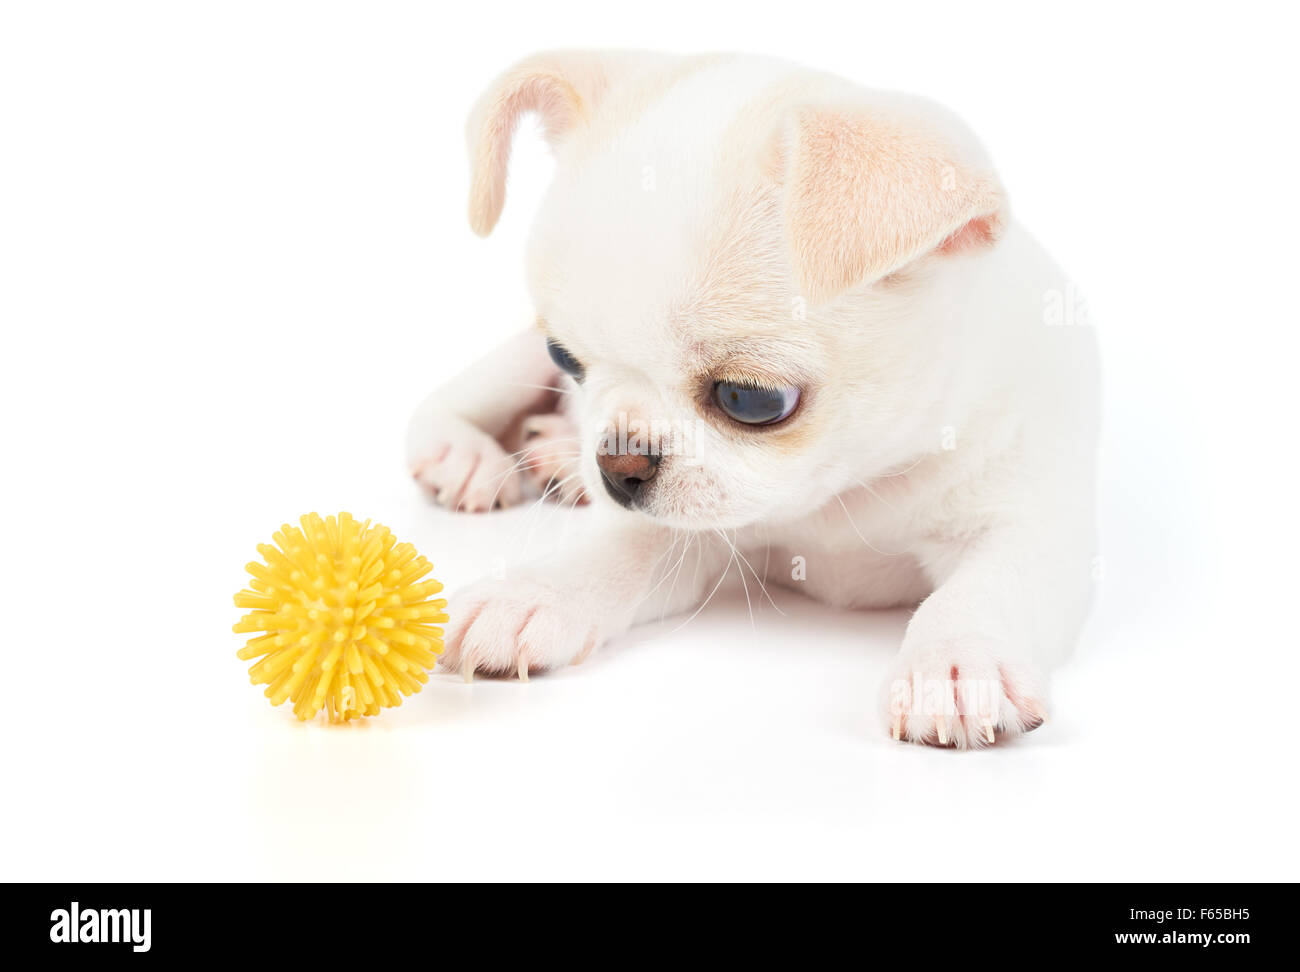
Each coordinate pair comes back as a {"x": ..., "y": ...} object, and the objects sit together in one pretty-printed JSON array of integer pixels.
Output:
[{"x": 745, "y": 270}]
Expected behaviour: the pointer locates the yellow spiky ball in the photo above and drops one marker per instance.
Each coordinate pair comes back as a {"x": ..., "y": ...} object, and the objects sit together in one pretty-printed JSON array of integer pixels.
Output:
[{"x": 344, "y": 621}]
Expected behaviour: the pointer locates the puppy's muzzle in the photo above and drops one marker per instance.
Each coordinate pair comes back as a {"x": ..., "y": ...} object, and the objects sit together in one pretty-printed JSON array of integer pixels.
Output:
[{"x": 625, "y": 475}]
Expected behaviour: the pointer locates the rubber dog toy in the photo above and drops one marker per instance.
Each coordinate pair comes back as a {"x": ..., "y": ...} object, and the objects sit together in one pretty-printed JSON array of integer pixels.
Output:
[{"x": 344, "y": 620}]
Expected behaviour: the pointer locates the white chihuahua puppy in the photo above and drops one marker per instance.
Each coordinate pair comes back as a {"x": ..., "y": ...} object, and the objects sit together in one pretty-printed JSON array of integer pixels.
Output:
[{"x": 783, "y": 319}]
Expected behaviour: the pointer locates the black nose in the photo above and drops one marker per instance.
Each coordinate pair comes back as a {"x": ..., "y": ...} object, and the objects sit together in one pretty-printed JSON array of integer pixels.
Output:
[{"x": 625, "y": 474}]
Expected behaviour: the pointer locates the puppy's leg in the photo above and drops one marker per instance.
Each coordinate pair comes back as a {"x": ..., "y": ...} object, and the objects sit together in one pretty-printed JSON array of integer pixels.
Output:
[
  {"x": 559, "y": 612},
  {"x": 456, "y": 441},
  {"x": 1007, "y": 606},
  {"x": 550, "y": 450}
]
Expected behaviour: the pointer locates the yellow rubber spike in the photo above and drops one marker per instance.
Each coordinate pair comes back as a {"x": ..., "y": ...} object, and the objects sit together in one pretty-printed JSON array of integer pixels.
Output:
[{"x": 332, "y": 599}]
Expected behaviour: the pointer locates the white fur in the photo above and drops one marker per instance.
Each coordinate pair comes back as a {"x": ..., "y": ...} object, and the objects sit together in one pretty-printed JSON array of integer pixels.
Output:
[{"x": 944, "y": 451}]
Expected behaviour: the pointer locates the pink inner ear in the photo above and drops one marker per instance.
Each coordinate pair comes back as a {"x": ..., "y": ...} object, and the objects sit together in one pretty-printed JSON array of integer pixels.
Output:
[
  {"x": 977, "y": 233},
  {"x": 867, "y": 194}
]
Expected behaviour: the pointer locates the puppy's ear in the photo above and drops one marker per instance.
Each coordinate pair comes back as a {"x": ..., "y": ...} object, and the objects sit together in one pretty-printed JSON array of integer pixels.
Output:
[
  {"x": 868, "y": 190},
  {"x": 564, "y": 88}
]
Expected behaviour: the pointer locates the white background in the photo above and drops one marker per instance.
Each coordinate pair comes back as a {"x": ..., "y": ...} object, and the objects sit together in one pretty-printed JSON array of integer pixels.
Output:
[{"x": 233, "y": 255}]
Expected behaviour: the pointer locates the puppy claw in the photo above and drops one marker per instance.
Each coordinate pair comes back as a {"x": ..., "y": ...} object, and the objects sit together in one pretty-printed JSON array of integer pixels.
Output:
[
  {"x": 522, "y": 628},
  {"x": 994, "y": 701}
]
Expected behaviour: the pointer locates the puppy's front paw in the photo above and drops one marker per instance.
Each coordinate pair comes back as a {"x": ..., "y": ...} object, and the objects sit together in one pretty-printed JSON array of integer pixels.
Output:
[
  {"x": 551, "y": 458},
  {"x": 960, "y": 694},
  {"x": 463, "y": 468},
  {"x": 513, "y": 628}
]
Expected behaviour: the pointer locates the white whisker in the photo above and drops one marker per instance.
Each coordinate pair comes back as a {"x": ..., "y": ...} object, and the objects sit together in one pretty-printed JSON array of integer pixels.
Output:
[
  {"x": 759, "y": 580},
  {"x": 550, "y": 388},
  {"x": 743, "y": 583},
  {"x": 706, "y": 600},
  {"x": 869, "y": 544}
]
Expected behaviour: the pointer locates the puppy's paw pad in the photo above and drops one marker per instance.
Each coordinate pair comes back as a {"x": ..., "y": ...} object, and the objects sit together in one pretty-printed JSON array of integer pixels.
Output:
[
  {"x": 550, "y": 457},
  {"x": 961, "y": 695},
  {"x": 513, "y": 629},
  {"x": 468, "y": 471}
]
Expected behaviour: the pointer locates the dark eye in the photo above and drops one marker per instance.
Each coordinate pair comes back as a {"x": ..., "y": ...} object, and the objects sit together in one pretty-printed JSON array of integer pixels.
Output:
[
  {"x": 754, "y": 405},
  {"x": 563, "y": 360}
]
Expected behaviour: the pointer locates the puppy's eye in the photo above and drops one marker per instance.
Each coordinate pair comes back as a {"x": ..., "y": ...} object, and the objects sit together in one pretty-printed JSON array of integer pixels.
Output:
[
  {"x": 754, "y": 405},
  {"x": 563, "y": 360}
]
